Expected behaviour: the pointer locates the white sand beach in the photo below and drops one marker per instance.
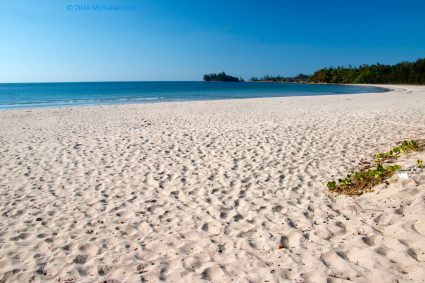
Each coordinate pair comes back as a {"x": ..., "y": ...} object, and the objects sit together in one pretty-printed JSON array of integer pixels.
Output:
[{"x": 210, "y": 191}]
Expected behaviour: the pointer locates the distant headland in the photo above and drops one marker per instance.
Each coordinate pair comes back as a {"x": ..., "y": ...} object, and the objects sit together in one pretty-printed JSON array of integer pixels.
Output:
[
  {"x": 401, "y": 73},
  {"x": 301, "y": 78}
]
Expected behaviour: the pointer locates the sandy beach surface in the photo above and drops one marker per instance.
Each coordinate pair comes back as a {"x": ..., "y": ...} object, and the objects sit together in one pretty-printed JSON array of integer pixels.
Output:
[{"x": 212, "y": 191}]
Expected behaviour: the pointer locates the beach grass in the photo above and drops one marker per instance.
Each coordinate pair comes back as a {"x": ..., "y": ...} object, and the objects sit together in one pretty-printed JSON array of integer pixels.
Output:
[
  {"x": 366, "y": 178},
  {"x": 362, "y": 181},
  {"x": 404, "y": 147}
]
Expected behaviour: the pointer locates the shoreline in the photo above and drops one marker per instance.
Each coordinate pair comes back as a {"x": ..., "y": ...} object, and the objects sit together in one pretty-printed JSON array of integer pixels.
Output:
[
  {"x": 100, "y": 104},
  {"x": 210, "y": 191}
]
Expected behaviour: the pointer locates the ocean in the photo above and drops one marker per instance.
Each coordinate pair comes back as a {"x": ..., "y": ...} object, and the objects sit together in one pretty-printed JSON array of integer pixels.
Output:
[{"x": 47, "y": 95}]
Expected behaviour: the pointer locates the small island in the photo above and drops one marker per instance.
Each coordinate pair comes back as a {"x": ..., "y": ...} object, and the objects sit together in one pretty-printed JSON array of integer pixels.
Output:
[{"x": 221, "y": 77}]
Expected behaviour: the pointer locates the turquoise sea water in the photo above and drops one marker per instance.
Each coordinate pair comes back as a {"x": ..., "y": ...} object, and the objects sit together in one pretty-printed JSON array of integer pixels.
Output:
[{"x": 44, "y": 95}]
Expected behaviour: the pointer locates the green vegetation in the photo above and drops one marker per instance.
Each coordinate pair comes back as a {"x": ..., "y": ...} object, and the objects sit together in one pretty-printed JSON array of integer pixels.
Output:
[
  {"x": 363, "y": 181},
  {"x": 406, "y": 146},
  {"x": 402, "y": 73},
  {"x": 301, "y": 78},
  {"x": 366, "y": 178},
  {"x": 221, "y": 77}
]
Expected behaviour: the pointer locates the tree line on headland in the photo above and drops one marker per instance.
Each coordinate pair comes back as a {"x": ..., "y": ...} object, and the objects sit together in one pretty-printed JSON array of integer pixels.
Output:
[
  {"x": 401, "y": 73},
  {"x": 301, "y": 78}
]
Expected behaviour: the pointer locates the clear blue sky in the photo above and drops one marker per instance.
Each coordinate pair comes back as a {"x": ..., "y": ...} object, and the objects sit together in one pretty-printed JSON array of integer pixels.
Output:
[{"x": 47, "y": 40}]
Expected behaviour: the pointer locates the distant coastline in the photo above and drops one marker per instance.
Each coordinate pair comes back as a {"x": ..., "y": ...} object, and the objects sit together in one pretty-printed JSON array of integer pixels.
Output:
[{"x": 410, "y": 73}]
